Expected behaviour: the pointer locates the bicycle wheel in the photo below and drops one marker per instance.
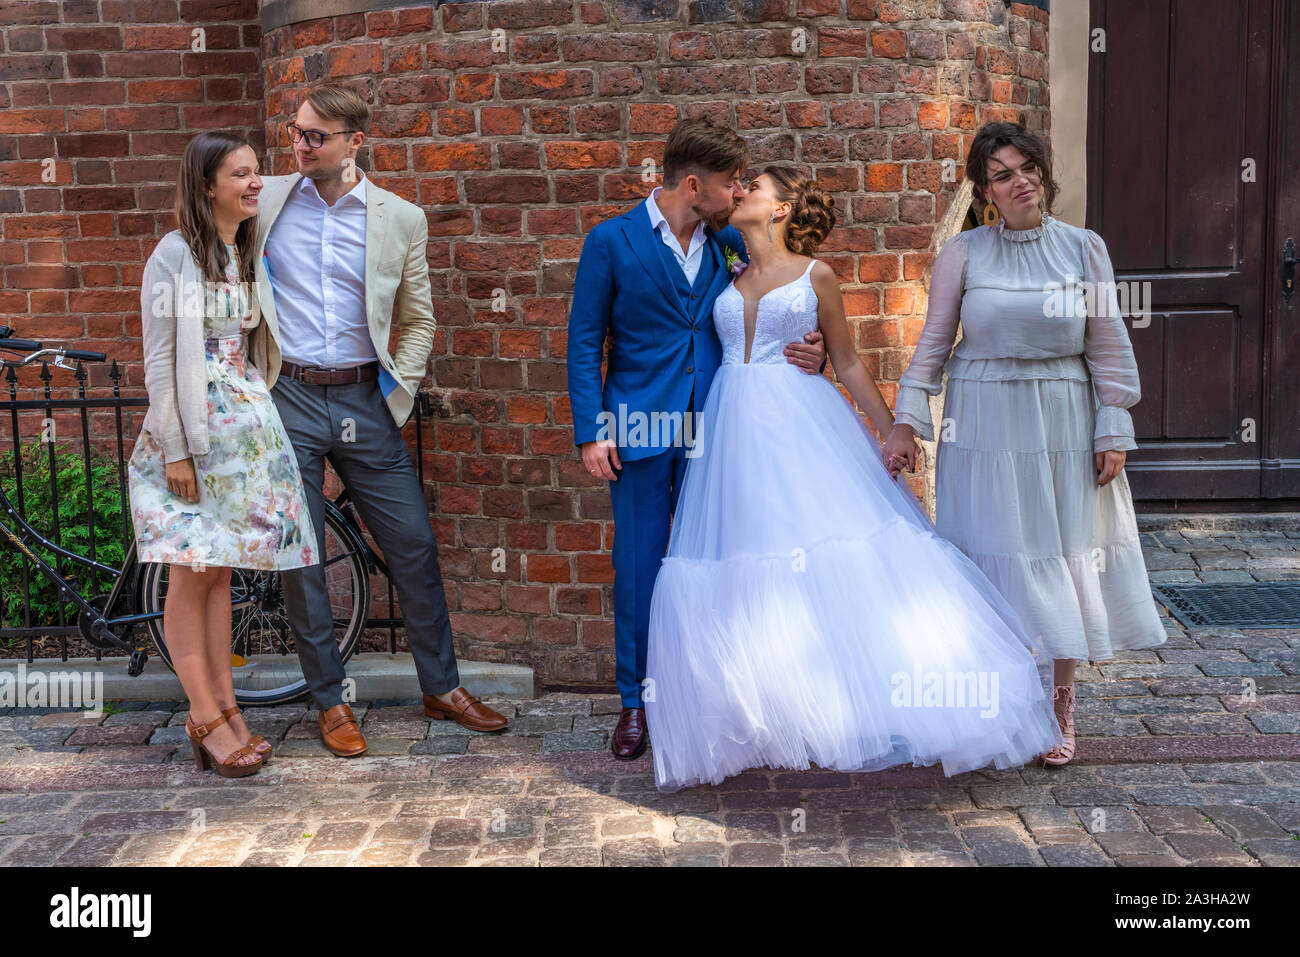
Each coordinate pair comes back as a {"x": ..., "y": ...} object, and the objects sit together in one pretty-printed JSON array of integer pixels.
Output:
[{"x": 263, "y": 650}]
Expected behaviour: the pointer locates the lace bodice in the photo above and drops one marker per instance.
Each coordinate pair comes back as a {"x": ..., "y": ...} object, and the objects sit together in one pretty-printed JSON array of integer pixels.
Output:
[{"x": 784, "y": 315}]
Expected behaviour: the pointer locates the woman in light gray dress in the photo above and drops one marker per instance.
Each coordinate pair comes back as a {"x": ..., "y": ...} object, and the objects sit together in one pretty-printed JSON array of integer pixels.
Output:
[{"x": 1029, "y": 474}]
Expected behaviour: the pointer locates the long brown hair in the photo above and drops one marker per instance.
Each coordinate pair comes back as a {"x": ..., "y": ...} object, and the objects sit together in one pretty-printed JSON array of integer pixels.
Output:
[
  {"x": 194, "y": 218},
  {"x": 991, "y": 138}
]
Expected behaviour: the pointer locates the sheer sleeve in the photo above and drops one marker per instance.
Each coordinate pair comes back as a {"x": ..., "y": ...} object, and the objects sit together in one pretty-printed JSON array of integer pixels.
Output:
[
  {"x": 924, "y": 375},
  {"x": 1109, "y": 353}
]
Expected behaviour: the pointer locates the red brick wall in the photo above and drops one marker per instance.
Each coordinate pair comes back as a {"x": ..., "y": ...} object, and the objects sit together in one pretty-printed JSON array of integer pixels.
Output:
[
  {"x": 515, "y": 153},
  {"x": 98, "y": 99}
]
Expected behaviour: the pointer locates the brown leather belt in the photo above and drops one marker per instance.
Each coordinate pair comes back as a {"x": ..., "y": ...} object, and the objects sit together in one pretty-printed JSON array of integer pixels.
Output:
[{"x": 315, "y": 376}]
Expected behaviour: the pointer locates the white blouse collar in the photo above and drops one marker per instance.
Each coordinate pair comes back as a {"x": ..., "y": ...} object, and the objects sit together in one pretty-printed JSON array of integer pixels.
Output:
[{"x": 1022, "y": 235}]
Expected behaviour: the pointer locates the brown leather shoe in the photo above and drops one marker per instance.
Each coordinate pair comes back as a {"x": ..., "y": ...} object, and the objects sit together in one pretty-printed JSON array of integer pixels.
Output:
[
  {"x": 630, "y": 735},
  {"x": 465, "y": 710},
  {"x": 340, "y": 731}
]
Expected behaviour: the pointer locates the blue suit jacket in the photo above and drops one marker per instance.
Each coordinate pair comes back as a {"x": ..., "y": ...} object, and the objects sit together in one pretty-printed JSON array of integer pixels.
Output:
[{"x": 664, "y": 345}]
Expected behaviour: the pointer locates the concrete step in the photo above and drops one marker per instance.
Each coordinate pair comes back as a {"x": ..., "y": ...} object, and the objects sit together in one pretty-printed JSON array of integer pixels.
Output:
[
  {"x": 1219, "y": 521},
  {"x": 379, "y": 677}
]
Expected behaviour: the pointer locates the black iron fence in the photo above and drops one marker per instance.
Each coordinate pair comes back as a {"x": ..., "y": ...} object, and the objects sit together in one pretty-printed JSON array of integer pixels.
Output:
[
  {"x": 73, "y": 491},
  {"x": 83, "y": 508}
]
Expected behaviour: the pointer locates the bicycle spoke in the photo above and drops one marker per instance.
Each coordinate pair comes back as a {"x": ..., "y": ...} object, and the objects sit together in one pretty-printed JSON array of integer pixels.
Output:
[
  {"x": 240, "y": 632},
  {"x": 265, "y": 633},
  {"x": 285, "y": 633}
]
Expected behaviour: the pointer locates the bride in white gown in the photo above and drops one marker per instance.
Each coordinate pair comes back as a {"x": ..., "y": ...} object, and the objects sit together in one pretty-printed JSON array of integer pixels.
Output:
[{"x": 806, "y": 612}]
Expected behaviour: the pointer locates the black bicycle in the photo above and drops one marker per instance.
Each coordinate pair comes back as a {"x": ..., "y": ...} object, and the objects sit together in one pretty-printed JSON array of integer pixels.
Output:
[{"x": 263, "y": 652}]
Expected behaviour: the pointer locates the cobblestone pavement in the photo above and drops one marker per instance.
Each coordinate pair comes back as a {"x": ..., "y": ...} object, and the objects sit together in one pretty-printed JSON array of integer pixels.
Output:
[{"x": 1176, "y": 766}]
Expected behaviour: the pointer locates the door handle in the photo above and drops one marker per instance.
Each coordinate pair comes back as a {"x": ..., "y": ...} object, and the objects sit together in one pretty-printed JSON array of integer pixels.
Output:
[{"x": 1288, "y": 268}]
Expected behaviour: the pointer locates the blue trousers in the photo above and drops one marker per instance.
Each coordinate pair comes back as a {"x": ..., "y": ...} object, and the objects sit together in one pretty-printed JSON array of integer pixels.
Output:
[{"x": 644, "y": 498}]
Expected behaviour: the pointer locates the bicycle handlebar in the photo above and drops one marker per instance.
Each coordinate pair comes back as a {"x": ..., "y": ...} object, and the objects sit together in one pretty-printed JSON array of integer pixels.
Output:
[
  {"x": 20, "y": 345},
  {"x": 29, "y": 345}
]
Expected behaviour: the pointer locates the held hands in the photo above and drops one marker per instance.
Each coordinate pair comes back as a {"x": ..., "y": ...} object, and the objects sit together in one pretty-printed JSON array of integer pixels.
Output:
[
  {"x": 600, "y": 458},
  {"x": 901, "y": 450},
  {"x": 809, "y": 354},
  {"x": 1108, "y": 465},
  {"x": 181, "y": 480}
]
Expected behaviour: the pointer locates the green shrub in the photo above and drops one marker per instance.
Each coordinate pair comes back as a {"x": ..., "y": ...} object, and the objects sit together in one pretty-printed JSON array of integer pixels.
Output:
[{"x": 74, "y": 533}]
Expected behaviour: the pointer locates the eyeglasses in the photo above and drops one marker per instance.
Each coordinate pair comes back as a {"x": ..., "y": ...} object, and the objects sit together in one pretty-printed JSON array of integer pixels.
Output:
[{"x": 315, "y": 138}]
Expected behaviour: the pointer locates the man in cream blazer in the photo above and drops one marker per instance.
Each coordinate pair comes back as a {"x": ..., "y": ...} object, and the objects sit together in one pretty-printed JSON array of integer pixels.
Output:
[{"x": 339, "y": 261}]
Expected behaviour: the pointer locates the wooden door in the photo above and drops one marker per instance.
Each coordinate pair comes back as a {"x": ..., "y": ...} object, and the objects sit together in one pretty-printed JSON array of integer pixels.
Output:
[{"x": 1186, "y": 170}]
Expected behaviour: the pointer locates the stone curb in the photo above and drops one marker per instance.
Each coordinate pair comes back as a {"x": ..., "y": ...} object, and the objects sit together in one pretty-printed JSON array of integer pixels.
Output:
[
  {"x": 1217, "y": 522},
  {"x": 378, "y": 676}
]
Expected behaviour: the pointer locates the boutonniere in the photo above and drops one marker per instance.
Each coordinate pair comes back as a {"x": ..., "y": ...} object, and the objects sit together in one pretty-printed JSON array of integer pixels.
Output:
[{"x": 735, "y": 265}]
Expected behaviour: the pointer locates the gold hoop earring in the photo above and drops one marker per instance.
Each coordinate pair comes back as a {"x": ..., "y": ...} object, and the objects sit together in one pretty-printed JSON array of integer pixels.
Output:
[{"x": 990, "y": 215}]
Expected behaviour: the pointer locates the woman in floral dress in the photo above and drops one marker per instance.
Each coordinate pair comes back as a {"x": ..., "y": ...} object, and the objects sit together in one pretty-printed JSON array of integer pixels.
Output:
[{"x": 214, "y": 482}]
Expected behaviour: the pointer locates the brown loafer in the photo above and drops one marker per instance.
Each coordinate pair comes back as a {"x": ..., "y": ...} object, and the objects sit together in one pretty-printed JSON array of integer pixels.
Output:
[
  {"x": 465, "y": 710},
  {"x": 340, "y": 731},
  {"x": 630, "y": 735}
]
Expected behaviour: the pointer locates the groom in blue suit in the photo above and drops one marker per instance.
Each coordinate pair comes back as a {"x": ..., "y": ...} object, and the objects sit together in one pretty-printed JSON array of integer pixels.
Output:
[{"x": 649, "y": 279}]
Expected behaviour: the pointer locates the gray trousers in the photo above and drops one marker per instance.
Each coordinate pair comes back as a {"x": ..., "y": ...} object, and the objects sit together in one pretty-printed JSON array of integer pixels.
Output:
[{"x": 370, "y": 457}]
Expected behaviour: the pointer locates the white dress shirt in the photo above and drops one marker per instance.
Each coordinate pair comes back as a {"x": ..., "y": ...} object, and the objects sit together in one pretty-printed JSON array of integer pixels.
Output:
[
  {"x": 317, "y": 257},
  {"x": 689, "y": 260}
]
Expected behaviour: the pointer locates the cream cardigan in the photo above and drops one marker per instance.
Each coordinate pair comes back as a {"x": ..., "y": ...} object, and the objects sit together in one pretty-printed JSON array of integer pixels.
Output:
[{"x": 172, "y": 297}]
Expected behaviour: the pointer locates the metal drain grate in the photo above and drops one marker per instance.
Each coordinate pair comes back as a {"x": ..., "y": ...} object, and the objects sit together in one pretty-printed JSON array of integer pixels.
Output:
[{"x": 1253, "y": 605}]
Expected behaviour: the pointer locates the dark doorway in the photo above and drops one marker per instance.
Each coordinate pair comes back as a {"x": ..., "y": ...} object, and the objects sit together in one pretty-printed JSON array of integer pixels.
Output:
[{"x": 1194, "y": 183}]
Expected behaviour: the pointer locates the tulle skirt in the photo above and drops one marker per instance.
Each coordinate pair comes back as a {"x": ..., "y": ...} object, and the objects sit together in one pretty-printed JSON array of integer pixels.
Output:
[{"x": 807, "y": 612}]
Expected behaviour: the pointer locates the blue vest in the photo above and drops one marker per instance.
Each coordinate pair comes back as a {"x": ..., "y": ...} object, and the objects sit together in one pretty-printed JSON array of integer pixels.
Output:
[{"x": 690, "y": 297}]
